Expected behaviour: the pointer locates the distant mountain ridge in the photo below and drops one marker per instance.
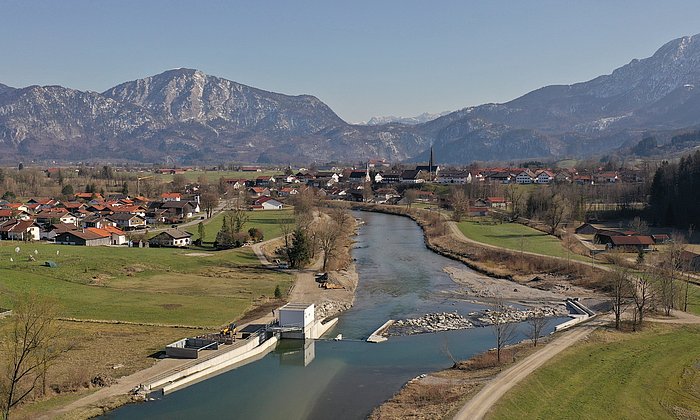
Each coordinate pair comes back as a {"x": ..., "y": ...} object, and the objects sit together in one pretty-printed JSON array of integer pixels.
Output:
[
  {"x": 418, "y": 119},
  {"x": 187, "y": 116}
]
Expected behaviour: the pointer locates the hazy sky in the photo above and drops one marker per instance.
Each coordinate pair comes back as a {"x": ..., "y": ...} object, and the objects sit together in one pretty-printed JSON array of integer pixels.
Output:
[{"x": 363, "y": 58}]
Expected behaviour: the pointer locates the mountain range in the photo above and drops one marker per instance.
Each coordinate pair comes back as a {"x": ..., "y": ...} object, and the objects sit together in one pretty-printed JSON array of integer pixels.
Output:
[{"x": 186, "y": 116}]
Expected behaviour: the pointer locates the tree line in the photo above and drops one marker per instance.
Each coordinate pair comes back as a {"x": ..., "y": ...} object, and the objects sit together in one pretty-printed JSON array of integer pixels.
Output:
[{"x": 674, "y": 198}]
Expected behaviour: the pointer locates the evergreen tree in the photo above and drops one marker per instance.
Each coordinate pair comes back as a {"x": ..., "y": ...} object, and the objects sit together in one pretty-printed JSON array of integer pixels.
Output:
[{"x": 299, "y": 253}]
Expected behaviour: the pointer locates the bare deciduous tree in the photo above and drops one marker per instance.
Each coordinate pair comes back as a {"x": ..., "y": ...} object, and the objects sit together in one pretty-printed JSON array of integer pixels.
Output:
[
  {"x": 641, "y": 295},
  {"x": 410, "y": 197},
  {"x": 328, "y": 234},
  {"x": 621, "y": 291},
  {"x": 459, "y": 202},
  {"x": 210, "y": 200},
  {"x": 30, "y": 346},
  {"x": 537, "y": 324},
  {"x": 502, "y": 327},
  {"x": 671, "y": 262},
  {"x": 559, "y": 210}
]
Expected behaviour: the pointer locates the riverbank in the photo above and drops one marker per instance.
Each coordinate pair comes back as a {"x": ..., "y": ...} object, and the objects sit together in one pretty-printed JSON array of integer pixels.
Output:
[{"x": 329, "y": 303}]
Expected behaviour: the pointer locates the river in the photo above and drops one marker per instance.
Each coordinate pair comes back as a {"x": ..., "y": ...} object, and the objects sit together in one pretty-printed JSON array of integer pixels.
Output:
[{"x": 398, "y": 278}]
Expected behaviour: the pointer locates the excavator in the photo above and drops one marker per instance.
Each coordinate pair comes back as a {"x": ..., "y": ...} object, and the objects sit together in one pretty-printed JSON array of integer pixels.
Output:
[{"x": 230, "y": 330}]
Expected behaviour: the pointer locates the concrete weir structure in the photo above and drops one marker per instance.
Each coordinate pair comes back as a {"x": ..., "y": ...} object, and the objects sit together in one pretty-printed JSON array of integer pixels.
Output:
[{"x": 296, "y": 321}]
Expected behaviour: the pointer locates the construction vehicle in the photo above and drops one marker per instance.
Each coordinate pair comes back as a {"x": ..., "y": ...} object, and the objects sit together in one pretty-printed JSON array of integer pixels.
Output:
[{"x": 229, "y": 330}]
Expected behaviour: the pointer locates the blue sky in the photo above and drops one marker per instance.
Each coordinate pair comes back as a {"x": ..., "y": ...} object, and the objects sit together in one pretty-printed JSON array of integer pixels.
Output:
[{"x": 363, "y": 58}]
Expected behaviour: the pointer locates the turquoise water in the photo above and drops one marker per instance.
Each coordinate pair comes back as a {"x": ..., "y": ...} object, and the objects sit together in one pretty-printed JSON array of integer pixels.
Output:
[{"x": 399, "y": 278}]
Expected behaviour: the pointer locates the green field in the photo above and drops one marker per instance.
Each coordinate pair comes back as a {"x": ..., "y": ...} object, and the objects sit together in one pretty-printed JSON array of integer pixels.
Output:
[
  {"x": 269, "y": 221},
  {"x": 516, "y": 237},
  {"x": 153, "y": 285},
  {"x": 654, "y": 374},
  {"x": 213, "y": 176},
  {"x": 693, "y": 298}
]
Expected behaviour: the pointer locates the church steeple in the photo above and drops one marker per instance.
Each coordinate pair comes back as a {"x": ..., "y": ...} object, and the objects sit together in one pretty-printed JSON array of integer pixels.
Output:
[{"x": 430, "y": 162}]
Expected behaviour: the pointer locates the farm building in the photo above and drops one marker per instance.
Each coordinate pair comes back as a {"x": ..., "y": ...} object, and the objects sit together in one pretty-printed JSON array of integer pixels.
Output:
[
  {"x": 84, "y": 237},
  {"x": 171, "y": 238}
]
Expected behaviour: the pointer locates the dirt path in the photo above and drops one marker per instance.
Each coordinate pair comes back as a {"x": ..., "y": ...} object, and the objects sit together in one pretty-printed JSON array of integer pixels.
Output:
[
  {"x": 677, "y": 317},
  {"x": 456, "y": 233},
  {"x": 477, "y": 407}
]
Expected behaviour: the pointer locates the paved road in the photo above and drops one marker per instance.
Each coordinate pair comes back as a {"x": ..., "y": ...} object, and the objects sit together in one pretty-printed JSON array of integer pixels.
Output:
[{"x": 481, "y": 403}]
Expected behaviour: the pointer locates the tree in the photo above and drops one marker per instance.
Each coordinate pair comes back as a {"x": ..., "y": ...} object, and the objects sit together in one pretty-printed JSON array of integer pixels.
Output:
[
  {"x": 328, "y": 234},
  {"x": 537, "y": 323},
  {"x": 639, "y": 226},
  {"x": 502, "y": 327},
  {"x": 620, "y": 285},
  {"x": 558, "y": 211},
  {"x": 256, "y": 234},
  {"x": 278, "y": 292},
  {"x": 67, "y": 190},
  {"x": 300, "y": 251},
  {"x": 460, "y": 204},
  {"x": 238, "y": 218},
  {"x": 671, "y": 263},
  {"x": 641, "y": 295},
  {"x": 30, "y": 346},
  {"x": 179, "y": 182},
  {"x": 125, "y": 188},
  {"x": 410, "y": 196},
  {"x": 201, "y": 232},
  {"x": 20, "y": 166},
  {"x": 209, "y": 201}
]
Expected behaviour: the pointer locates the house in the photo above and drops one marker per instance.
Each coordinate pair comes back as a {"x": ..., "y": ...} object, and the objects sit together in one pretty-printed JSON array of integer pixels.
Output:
[
  {"x": 117, "y": 236},
  {"x": 391, "y": 177},
  {"x": 639, "y": 242},
  {"x": 544, "y": 177},
  {"x": 7, "y": 214},
  {"x": 127, "y": 221},
  {"x": 19, "y": 230},
  {"x": 690, "y": 261},
  {"x": 267, "y": 203},
  {"x": 454, "y": 177},
  {"x": 256, "y": 192},
  {"x": 586, "y": 229},
  {"x": 605, "y": 178},
  {"x": 51, "y": 231},
  {"x": 525, "y": 177},
  {"x": 359, "y": 177},
  {"x": 496, "y": 202},
  {"x": 287, "y": 191},
  {"x": 171, "y": 196},
  {"x": 87, "y": 196},
  {"x": 661, "y": 238},
  {"x": 180, "y": 209},
  {"x": 49, "y": 216},
  {"x": 478, "y": 211},
  {"x": 264, "y": 181},
  {"x": 412, "y": 176},
  {"x": 171, "y": 238},
  {"x": 503, "y": 177},
  {"x": 84, "y": 237}
]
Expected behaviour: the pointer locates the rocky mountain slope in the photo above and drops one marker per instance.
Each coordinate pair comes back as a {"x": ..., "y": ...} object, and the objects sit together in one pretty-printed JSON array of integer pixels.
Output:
[{"x": 187, "y": 116}]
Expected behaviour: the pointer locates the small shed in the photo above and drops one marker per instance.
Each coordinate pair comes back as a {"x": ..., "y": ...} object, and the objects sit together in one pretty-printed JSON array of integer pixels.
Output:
[{"x": 300, "y": 315}]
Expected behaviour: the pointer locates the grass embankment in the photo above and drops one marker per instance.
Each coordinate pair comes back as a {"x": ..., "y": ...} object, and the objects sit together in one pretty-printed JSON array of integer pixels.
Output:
[
  {"x": 147, "y": 285},
  {"x": 654, "y": 374},
  {"x": 516, "y": 237},
  {"x": 128, "y": 349}
]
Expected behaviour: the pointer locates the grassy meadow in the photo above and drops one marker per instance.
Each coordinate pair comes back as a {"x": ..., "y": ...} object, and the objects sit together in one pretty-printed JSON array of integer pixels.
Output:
[
  {"x": 653, "y": 374},
  {"x": 213, "y": 176},
  {"x": 150, "y": 285},
  {"x": 269, "y": 221},
  {"x": 516, "y": 237}
]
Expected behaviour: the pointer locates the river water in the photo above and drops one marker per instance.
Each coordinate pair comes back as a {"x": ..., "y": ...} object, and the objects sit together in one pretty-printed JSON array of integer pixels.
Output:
[{"x": 398, "y": 278}]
